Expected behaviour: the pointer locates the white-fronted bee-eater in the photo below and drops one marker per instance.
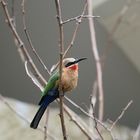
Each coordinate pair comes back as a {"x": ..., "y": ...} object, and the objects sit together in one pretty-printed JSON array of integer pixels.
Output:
[{"x": 51, "y": 90}]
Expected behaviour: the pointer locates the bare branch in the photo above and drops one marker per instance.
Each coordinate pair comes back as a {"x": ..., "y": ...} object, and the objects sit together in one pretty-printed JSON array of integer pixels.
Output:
[
  {"x": 29, "y": 38},
  {"x": 61, "y": 45},
  {"x": 92, "y": 109},
  {"x": 73, "y": 117},
  {"x": 121, "y": 115},
  {"x": 76, "y": 30},
  {"x": 24, "y": 54},
  {"x": 19, "y": 115},
  {"x": 97, "y": 59},
  {"x": 12, "y": 109},
  {"x": 74, "y": 34},
  {"x": 39, "y": 59},
  {"x": 20, "y": 45},
  {"x": 33, "y": 77},
  {"x": 94, "y": 95},
  {"x": 89, "y": 115},
  {"x": 41, "y": 82},
  {"x": 77, "y": 18}
]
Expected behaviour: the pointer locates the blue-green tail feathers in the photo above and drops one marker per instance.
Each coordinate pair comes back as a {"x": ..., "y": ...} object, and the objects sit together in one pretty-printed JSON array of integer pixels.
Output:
[
  {"x": 52, "y": 92},
  {"x": 44, "y": 102}
]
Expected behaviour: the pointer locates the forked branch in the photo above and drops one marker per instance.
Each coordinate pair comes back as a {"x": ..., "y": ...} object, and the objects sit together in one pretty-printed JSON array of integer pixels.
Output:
[{"x": 61, "y": 48}]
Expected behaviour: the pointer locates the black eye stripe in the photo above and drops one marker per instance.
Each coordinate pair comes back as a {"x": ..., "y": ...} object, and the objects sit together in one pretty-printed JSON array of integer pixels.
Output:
[
  {"x": 69, "y": 64},
  {"x": 74, "y": 62}
]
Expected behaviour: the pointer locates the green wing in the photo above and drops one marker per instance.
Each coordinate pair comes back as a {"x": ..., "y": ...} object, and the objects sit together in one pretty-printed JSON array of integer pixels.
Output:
[{"x": 51, "y": 83}]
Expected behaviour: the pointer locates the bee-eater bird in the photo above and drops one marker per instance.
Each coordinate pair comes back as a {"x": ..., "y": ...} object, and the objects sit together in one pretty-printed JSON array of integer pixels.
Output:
[{"x": 51, "y": 90}]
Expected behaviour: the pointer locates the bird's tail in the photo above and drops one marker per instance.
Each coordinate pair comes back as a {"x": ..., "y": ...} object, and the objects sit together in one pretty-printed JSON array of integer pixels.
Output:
[{"x": 47, "y": 100}]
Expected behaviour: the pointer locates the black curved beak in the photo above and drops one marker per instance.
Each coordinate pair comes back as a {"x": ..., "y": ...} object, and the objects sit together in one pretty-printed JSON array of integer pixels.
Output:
[
  {"x": 76, "y": 61},
  {"x": 80, "y": 59}
]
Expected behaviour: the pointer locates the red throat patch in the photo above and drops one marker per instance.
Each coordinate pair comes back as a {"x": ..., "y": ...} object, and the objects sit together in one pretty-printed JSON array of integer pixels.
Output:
[{"x": 74, "y": 67}]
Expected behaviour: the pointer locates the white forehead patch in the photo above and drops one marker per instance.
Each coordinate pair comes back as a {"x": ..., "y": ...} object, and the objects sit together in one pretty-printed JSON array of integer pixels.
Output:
[
  {"x": 69, "y": 60},
  {"x": 65, "y": 61}
]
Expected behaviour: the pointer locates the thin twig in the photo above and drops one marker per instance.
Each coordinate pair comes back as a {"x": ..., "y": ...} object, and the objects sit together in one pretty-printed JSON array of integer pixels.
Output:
[
  {"x": 97, "y": 59},
  {"x": 20, "y": 45},
  {"x": 29, "y": 38},
  {"x": 76, "y": 30},
  {"x": 39, "y": 59},
  {"x": 19, "y": 115},
  {"x": 72, "y": 117},
  {"x": 92, "y": 111},
  {"x": 77, "y": 18},
  {"x": 74, "y": 33},
  {"x": 91, "y": 116},
  {"x": 112, "y": 32},
  {"x": 14, "y": 111},
  {"x": 121, "y": 115},
  {"x": 93, "y": 99},
  {"x": 61, "y": 45},
  {"x": 24, "y": 54},
  {"x": 68, "y": 111},
  {"x": 93, "y": 96},
  {"x": 27, "y": 58}
]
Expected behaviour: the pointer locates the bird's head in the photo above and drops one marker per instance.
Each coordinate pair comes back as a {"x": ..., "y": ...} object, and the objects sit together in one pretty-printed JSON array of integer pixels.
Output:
[{"x": 72, "y": 63}]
